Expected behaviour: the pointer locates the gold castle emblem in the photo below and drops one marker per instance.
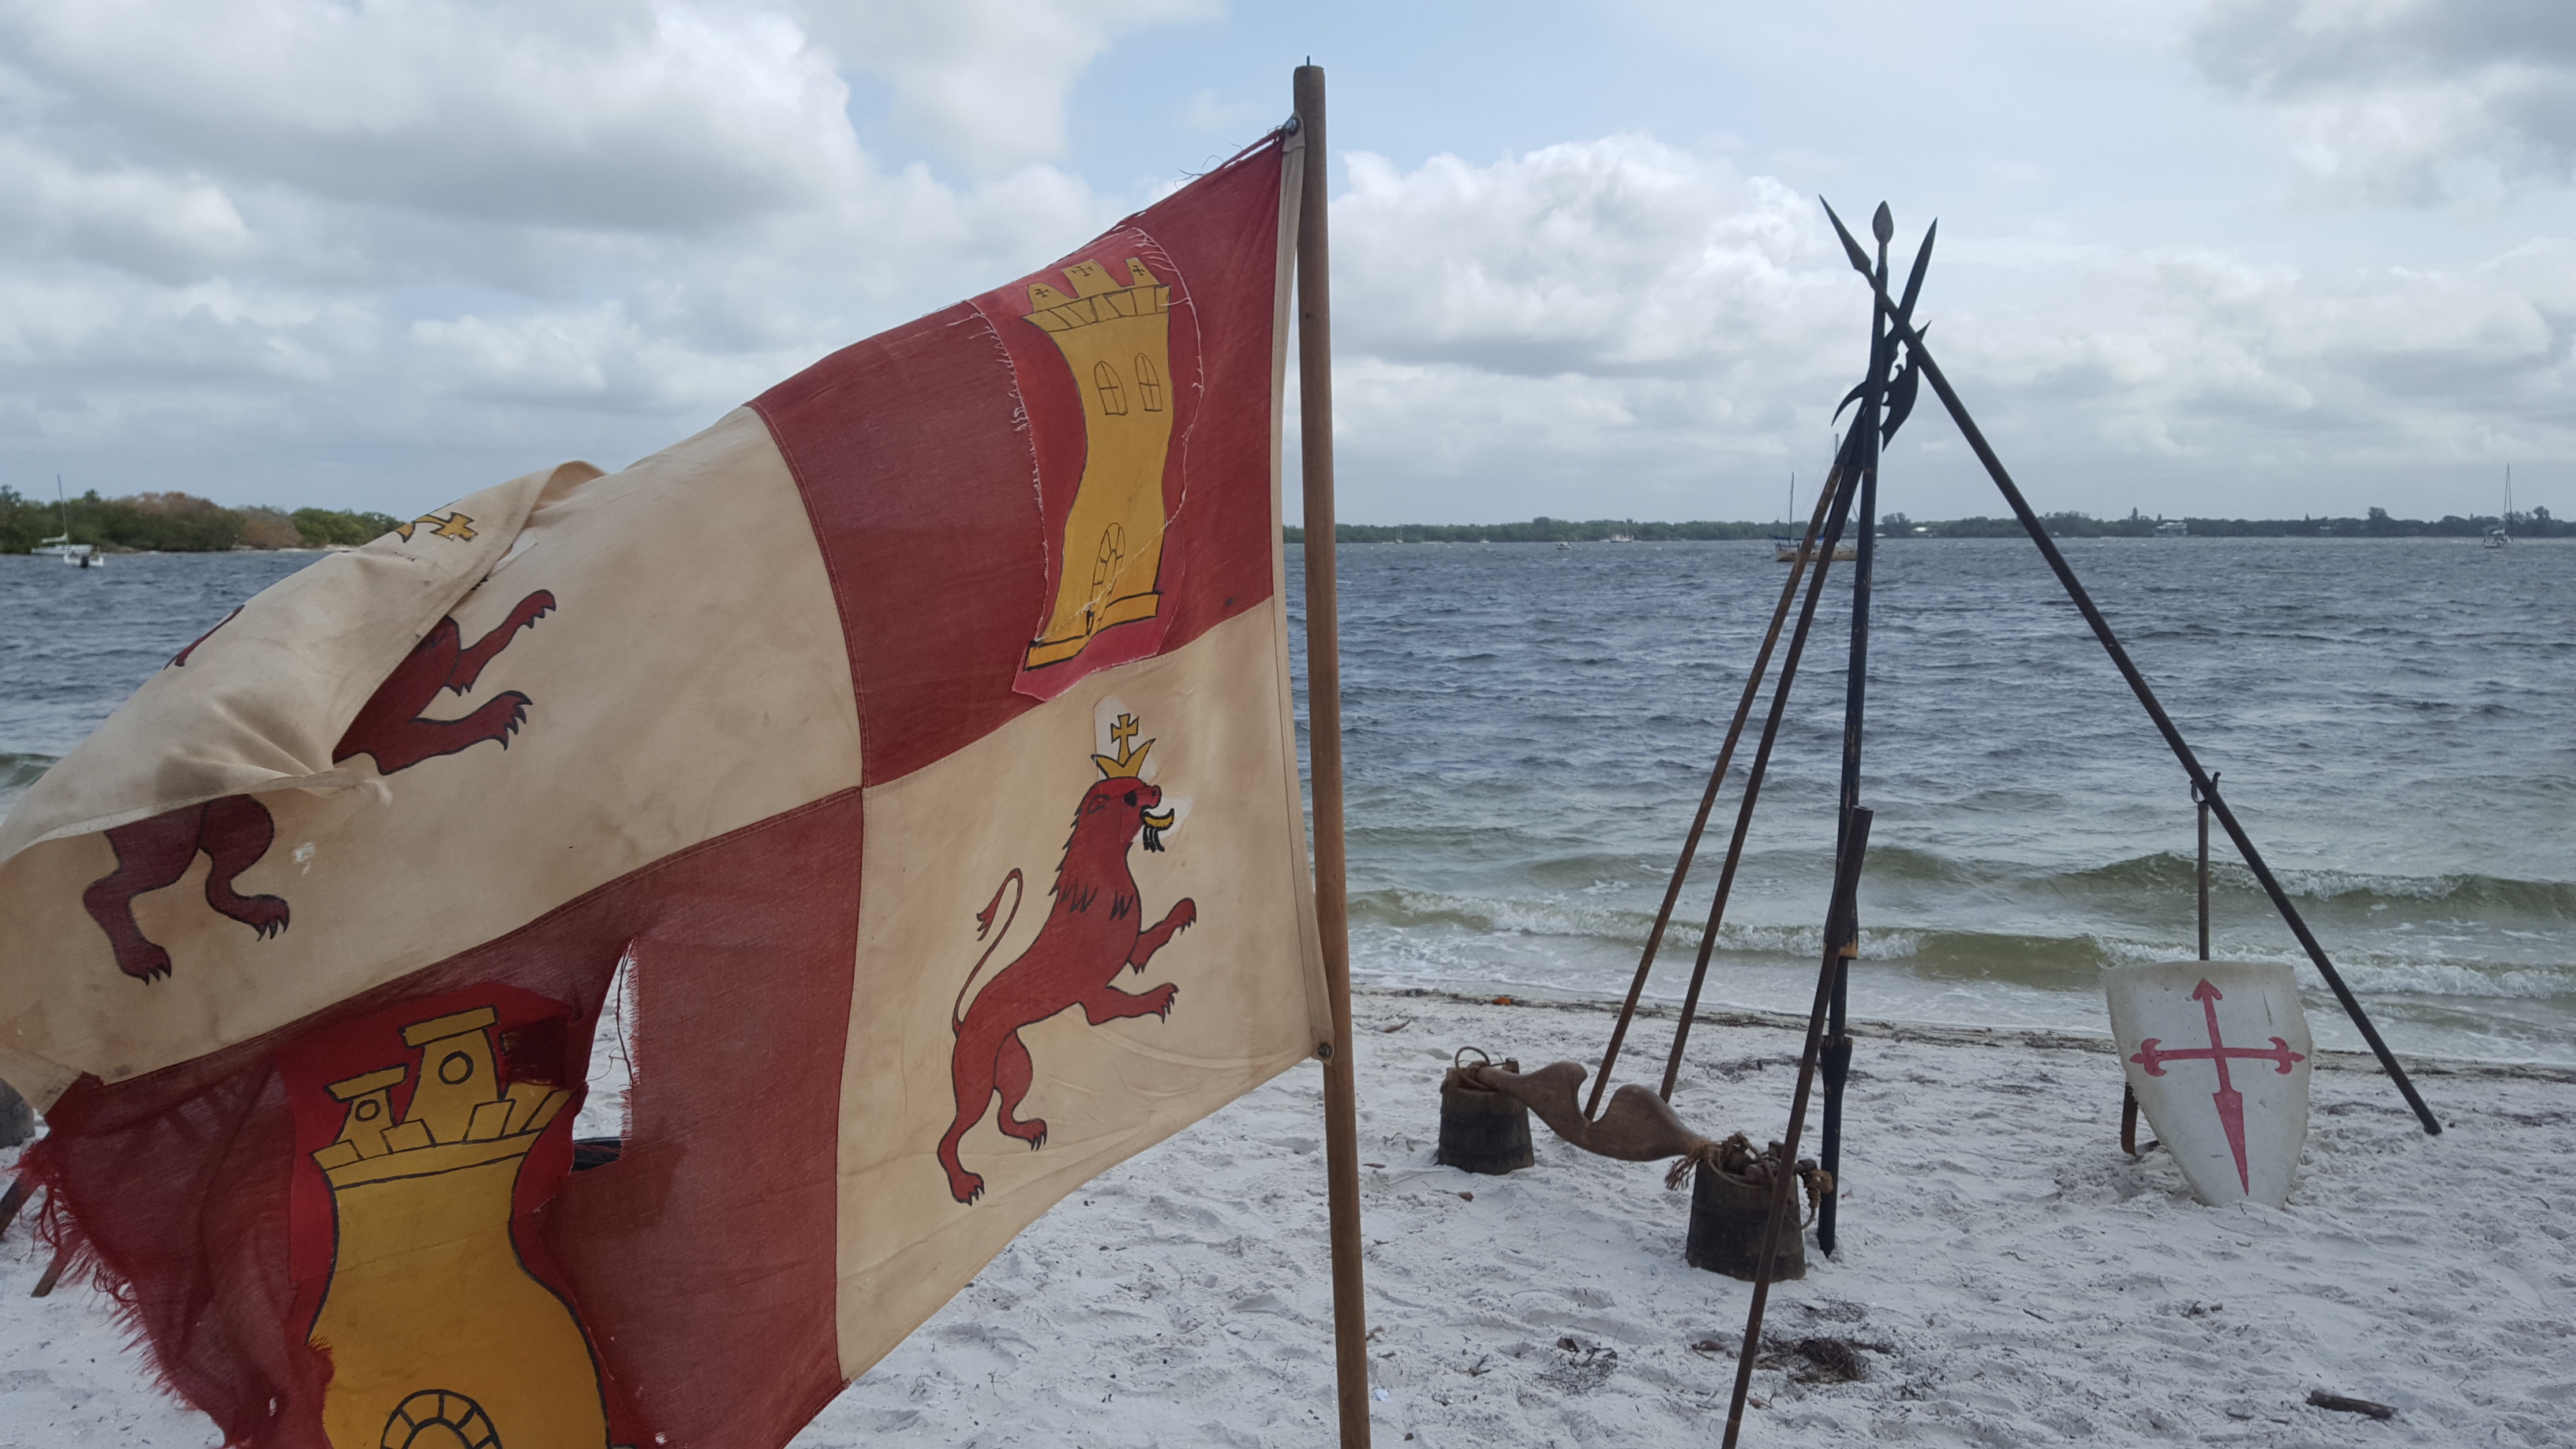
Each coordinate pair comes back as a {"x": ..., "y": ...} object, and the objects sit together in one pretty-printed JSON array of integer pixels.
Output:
[
  {"x": 437, "y": 1334},
  {"x": 1117, "y": 339}
]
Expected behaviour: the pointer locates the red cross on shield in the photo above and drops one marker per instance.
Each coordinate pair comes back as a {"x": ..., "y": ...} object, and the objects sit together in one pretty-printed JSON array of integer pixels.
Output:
[{"x": 2217, "y": 1053}]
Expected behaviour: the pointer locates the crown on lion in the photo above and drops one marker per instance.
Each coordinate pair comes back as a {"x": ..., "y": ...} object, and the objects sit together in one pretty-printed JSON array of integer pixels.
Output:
[{"x": 1128, "y": 760}]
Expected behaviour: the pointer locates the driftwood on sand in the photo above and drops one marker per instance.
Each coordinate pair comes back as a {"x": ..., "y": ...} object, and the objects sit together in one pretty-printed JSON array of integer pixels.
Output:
[{"x": 1637, "y": 1126}]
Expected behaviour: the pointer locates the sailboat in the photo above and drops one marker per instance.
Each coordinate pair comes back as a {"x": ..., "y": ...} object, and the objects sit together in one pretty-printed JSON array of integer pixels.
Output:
[
  {"x": 2502, "y": 533},
  {"x": 1786, "y": 550},
  {"x": 80, "y": 555}
]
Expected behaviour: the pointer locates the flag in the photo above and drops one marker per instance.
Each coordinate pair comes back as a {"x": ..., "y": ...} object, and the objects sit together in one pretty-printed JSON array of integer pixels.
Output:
[{"x": 918, "y": 736}]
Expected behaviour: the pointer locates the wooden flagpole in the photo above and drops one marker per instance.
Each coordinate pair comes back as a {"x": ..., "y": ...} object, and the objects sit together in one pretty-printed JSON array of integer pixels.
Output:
[{"x": 1324, "y": 743}]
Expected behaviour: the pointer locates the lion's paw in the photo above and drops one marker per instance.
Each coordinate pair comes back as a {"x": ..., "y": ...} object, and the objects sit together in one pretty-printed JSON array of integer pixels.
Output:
[
  {"x": 146, "y": 963},
  {"x": 264, "y": 914},
  {"x": 1160, "y": 999}
]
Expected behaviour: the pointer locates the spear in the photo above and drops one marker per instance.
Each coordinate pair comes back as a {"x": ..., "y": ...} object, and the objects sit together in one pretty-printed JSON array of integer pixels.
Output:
[{"x": 1902, "y": 329}]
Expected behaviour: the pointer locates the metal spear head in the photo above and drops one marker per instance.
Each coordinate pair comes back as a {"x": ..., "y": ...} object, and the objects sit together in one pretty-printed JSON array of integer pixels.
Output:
[
  {"x": 1914, "y": 283},
  {"x": 1851, "y": 248}
]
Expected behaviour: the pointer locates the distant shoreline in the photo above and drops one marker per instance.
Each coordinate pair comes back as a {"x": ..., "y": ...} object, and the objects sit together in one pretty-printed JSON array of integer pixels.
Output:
[{"x": 2376, "y": 524}]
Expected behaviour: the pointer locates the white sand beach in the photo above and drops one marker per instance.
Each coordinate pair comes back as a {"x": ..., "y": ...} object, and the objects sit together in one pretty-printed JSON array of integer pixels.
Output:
[{"x": 2007, "y": 1276}]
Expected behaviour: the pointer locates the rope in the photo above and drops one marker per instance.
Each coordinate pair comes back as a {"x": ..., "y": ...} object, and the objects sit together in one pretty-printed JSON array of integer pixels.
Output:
[{"x": 1736, "y": 1158}]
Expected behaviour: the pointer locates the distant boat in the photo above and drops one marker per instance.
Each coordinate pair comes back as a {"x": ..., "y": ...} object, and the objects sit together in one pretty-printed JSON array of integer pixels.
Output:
[
  {"x": 1786, "y": 550},
  {"x": 2175, "y": 528},
  {"x": 2502, "y": 533},
  {"x": 79, "y": 555}
]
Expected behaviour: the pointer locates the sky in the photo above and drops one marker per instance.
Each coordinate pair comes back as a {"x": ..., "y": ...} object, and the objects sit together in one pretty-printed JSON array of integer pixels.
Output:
[{"x": 2196, "y": 257}]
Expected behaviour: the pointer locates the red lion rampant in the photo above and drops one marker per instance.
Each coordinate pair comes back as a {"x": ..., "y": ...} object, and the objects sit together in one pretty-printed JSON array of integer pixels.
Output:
[
  {"x": 392, "y": 727},
  {"x": 1090, "y": 933},
  {"x": 235, "y": 831}
]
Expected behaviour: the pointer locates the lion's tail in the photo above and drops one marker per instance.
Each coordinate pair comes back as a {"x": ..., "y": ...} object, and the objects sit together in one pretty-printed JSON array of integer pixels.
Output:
[{"x": 983, "y": 927}]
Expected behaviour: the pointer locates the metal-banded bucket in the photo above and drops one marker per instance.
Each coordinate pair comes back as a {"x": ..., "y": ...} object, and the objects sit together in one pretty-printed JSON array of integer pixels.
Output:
[
  {"x": 1481, "y": 1131},
  {"x": 1728, "y": 1213}
]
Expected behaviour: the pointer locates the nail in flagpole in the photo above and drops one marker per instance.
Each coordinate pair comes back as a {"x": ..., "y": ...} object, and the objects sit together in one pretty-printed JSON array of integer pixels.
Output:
[{"x": 1324, "y": 735}]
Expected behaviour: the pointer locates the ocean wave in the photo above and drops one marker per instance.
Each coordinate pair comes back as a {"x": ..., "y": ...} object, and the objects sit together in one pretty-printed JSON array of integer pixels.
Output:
[
  {"x": 2168, "y": 872},
  {"x": 17, "y": 772},
  {"x": 2366, "y": 889},
  {"x": 1470, "y": 934},
  {"x": 1413, "y": 909},
  {"x": 2453, "y": 978}
]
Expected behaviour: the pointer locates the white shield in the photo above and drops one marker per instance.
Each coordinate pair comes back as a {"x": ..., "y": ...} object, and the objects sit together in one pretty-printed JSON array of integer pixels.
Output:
[{"x": 2218, "y": 1055}]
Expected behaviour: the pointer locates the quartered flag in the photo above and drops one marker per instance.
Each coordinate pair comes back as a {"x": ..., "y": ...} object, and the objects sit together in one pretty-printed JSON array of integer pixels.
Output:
[{"x": 918, "y": 736}]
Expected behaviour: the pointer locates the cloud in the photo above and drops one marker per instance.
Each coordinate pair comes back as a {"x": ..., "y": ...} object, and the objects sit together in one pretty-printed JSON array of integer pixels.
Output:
[
  {"x": 650, "y": 118},
  {"x": 379, "y": 254},
  {"x": 1617, "y": 255},
  {"x": 255, "y": 242},
  {"x": 1626, "y": 328},
  {"x": 2404, "y": 102},
  {"x": 986, "y": 79}
]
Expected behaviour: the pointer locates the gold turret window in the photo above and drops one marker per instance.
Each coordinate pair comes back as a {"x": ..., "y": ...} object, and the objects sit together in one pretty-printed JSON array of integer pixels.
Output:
[
  {"x": 1113, "y": 398},
  {"x": 1149, "y": 383}
]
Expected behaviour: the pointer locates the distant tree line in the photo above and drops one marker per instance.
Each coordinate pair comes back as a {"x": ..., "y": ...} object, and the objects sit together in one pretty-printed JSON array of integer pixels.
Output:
[
  {"x": 179, "y": 523},
  {"x": 1543, "y": 530},
  {"x": 2376, "y": 524}
]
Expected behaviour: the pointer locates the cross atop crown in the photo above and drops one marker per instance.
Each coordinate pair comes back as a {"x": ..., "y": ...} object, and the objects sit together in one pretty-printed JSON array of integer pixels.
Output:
[{"x": 1126, "y": 762}]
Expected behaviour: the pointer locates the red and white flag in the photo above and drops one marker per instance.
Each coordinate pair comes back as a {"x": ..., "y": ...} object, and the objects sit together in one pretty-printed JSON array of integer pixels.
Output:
[{"x": 919, "y": 733}]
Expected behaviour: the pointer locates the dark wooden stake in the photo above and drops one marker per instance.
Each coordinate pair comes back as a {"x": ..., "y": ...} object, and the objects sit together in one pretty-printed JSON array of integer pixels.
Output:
[
  {"x": 1839, "y": 924},
  {"x": 1921, "y": 358},
  {"x": 1867, "y": 426},
  {"x": 2323, "y": 1400},
  {"x": 1324, "y": 743},
  {"x": 1839, "y": 511},
  {"x": 1708, "y": 797},
  {"x": 2201, "y": 803},
  {"x": 53, "y": 1275},
  {"x": 14, "y": 1199}
]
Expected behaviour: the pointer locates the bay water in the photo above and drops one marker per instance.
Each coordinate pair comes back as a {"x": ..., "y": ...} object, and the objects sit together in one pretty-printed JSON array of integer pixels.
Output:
[{"x": 1528, "y": 730}]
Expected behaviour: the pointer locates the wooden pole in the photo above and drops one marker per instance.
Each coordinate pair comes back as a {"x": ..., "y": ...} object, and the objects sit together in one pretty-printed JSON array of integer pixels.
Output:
[
  {"x": 1708, "y": 798},
  {"x": 1324, "y": 743},
  {"x": 2202, "y": 805},
  {"x": 1840, "y": 492},
  {"x": 1841, "y": 924},
  {"x": 2207, "y": 783},
  {"x": 1869, "y": 422}
]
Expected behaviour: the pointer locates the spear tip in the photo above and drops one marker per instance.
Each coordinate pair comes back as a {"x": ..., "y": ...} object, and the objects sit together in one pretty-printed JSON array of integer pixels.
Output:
[{"x": 1851, "y": 248}]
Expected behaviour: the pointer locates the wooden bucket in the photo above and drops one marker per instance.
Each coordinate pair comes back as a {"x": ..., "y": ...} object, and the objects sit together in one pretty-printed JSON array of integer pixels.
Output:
[
  {"x": 1728, "y": 1213},
  {"x": 1482, "y": 1131}
]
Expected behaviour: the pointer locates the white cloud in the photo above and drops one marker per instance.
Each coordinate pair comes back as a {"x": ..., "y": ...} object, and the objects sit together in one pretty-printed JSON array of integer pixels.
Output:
[
  {"x": 431, "y": 228},
  {"x": 661, "y": 117},
  {"x": 1620, "y": 254},
  {"x": 306, "y": 251},
  {"x": 987, "y": 79},
  {"x": 2405, "y": 102},
  {"x": 1629, "y": 328}
]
